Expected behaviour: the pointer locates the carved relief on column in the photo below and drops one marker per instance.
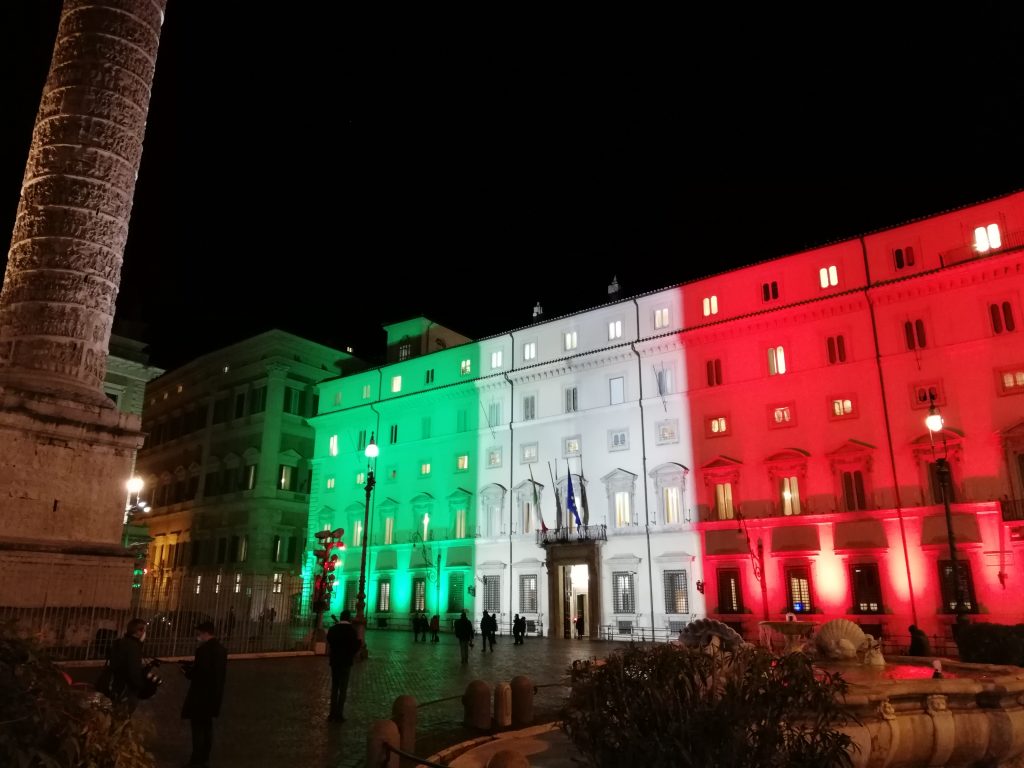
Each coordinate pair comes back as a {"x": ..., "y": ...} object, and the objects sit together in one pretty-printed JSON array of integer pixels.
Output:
[{"x": 64, "y": 263}]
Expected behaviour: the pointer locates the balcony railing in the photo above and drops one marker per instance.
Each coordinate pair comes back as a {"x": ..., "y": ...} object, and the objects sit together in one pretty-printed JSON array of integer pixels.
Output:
[
  {"x": 1011, "y": 240},
  {"x": 1012, "y": 509},
  {"x": 572, "y": 535}
]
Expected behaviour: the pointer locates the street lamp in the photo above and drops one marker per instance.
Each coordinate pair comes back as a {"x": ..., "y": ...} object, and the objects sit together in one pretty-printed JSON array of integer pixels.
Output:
[
  {"x": 134, "y": 487},
  {"x": 934, "y": 423},
  {"x": 372, "y": 451}
]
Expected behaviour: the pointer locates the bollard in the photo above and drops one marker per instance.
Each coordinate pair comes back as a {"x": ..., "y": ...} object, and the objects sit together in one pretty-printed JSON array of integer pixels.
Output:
[
  {"x": 382, "y": 732},
  {"x": 476, "y": 702},
  {"x": 506, "y": 758},
  {"x": 502, "y": 705},
  {"x": 403, "y": 714},
  {"x": 522, "y": 701}
]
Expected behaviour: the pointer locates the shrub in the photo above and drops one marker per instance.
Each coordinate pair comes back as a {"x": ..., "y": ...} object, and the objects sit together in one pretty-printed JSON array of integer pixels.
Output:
[
  {"x": 47, "y": 723},
  {"x": 991, "y": 643},
  {"x": 668, "y": 706}
]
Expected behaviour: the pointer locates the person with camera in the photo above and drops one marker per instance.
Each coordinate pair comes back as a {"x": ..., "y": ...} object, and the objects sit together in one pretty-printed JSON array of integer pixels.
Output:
[
  {"x": 202, "y": 702},
  {"x": 125, "y": 675}
]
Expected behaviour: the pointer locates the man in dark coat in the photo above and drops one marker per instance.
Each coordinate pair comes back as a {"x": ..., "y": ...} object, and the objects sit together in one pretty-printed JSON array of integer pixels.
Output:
[
  {"x": 464, "y": 633},
  {"x": 342, "y": 646},
  {"x": 126, "y": 672},
  {"x": 919, "y": 645},
  {"x": 202, "y": 702}
]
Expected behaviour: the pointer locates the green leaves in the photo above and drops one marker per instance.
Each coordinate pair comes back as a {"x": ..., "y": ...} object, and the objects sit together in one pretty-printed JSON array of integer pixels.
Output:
[{"x": 668, "y": 706}]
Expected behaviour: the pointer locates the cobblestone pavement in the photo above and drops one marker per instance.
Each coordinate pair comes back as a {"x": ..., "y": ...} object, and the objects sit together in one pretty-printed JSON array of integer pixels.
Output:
[{"x": 274, "y": 709}]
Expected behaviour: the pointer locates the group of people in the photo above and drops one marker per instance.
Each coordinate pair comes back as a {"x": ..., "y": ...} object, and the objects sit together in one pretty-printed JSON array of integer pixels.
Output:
[
  {"x": 420, "y": 625},
  {"x": 125, "y": 681},
  {"x": 518, "y": 629},
  {"x": 488, "y": 631}
]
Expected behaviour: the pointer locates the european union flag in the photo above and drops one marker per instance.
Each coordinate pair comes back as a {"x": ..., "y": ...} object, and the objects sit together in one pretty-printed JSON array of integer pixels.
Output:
[{"x": 570, "y": 501}]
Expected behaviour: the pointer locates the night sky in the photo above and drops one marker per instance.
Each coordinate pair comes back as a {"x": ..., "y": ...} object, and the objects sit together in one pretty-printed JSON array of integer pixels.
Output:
[{"x": 322, "y": 176}]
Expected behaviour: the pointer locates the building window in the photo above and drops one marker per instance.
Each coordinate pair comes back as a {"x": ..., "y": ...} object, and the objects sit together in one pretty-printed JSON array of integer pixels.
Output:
[
  {"x": 903, "y": 257},
  {"x": 294, "y": 401},
  {"x": 275, "y": 550},
  {"x": 614, "y": 330},
  {"x": 357, "y": 533},
  {"x": 571, "y": 399},
  {"x": 396, "y": 386},
  {"x": 769, "y": 291},
  {"x": 781, "y": 415},
  {"x": 618, "y": 439},
  {"x": 238, "y": 583},
  {"x": 456, "y": 586},
  {"x": 828, "y": 277},
  {"x": 676, "y": 599},
  {"x": 623, "y": 596},
  {"x": 798, "y": 589},
  {"x": 571, "y": 446},
  {"x": 616, "y": 393},
  {"x": 404, "y": 350},
  {"x": 667, "y": 432},
  {"x": 842, "y": 407},
  {"x": 361, "y": 440},
  {"x": 426, "y": 526},
  {"x": 714, "y": 371},
  {"x": 948, "y": 586},
  {"x": 528, "y": 453},
  {"x": 366, "y": 391},
  {"x": 243, "y": 549},
  {"x": 278, "y": 582},
  {"x": 360, "y": 478},
  {"x": 465, "y": 367},
  {"x": 776, "y": 361},
  {"x": 926, "y": 393},
  {"x": 332, "y": 448},
  {"x": 836, "y": 346},
  {"x": 337, "y": 397},
  {"x": 663, "y": 378},
  {"x": 460, "y": 523},
  {"x": 258, "y": 400},
  {"x": 671, "y": 501},
  {"x": 199, "y": 584},
  {"x": 492, "y": 594},
  {"x": 425, "y": 469},
  {"x": 789, "y": 492},
  {"x": 571, "y": 340},
  {"x": 493, "y": 414},
  {"x": 428, "y": 377},
  {"x": 1011, "y": 382},
  {"x": 462, "y": 462},
  {"x": 987, "y": 238},
  {"x": 527, "y": 593},
  {"x": 866, "y": 588},
  {"x": 623, "y": 513},
  {"x": 419, "y": 594},
  {"x": 389, "y": 530},
  {"x": 496, "y": 356},
  {"x": 216, "y": 583},
  {"x": 913, "y": 332},
  {"x": 351, "y": 595},
  {"x": 723, "y": 501},
  {"x": 530, "y": 350},
  {"x": 730, "y": 595},
  {"x": 494, "y": 457},
  {"x": 716, "y": 426},
  {"x": 854, "y": 497},
  {"x": 286, "y": 478},
  {"x": 661, "y": 318},
  {"x": 249, "y": 477},
  {"x": 1002, "y": 317},
  {"x": 393, "y": 436},
  {"x": 384, "y": 596},
  {"x": 710, "y": 306},
  {"x": 529, "y": 407}
]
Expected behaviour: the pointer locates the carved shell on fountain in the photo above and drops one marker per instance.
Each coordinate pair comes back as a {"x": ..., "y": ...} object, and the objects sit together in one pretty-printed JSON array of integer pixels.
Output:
[{"x": 839, "y": 639}]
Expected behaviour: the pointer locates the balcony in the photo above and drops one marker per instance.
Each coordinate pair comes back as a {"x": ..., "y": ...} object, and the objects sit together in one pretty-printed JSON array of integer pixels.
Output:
[
  {"x": 580, "y": 533},
  {"x": 1011, "y": 241}
]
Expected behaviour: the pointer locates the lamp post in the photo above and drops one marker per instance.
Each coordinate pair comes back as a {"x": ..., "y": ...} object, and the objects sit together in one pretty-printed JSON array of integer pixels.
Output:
[
  {"x": 134, "y": 487},
  {"x": 372, "y": 451},
  {"x": 934, "y": 423}
]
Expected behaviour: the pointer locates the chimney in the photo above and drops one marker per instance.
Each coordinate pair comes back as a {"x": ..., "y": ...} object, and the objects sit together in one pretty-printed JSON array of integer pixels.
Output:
[
  {"x": 538, "y": 311},
  {"x": 613, "y": 288}
]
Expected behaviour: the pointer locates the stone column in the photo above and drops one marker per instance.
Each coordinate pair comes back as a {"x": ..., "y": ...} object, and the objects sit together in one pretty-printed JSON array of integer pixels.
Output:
[
  {"x": 270, "y": 441},
  {"x": 64, "y": 265}
]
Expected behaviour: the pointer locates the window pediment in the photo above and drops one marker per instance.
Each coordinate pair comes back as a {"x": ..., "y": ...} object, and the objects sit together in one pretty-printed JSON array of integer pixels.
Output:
[
  {"x": 853, "y": 454},
  {"x": 617, "y": 480},
  {"x": 788, "y": 463},
  {"x": 721, "y": 469},
  {"x": 492, "y": 493},
  {"x": 251, "y": 455},
  {"x": 669, "y": 471},
  {"x": 946, "y": 440},
  {"x": 290, "y": 457}
]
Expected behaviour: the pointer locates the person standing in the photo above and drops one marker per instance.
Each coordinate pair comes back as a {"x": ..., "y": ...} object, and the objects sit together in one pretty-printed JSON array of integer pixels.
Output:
[
  {"x": 919, "y": 645},
  {"x": 435, "y": 628},
  {"x": 485, "y": 631},
  {"x": 342, "y": 646},
  {"x": 464, "y": 633},
  {"x": 126, "y": 671},
  {"x": 202, "y": 702},
  {"x": 492, "y": 631}
]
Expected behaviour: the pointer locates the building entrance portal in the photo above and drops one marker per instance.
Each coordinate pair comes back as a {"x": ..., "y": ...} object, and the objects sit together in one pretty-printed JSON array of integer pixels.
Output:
[{"x": 574, "y": 590}]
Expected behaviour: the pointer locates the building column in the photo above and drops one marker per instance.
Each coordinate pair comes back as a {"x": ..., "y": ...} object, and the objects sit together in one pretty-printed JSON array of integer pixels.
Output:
[{"x": 270, "y": 442}]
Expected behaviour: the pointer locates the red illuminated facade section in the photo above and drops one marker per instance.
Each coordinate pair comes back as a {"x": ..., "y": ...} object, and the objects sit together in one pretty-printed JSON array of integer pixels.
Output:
[{"x": 810, "y": 378}]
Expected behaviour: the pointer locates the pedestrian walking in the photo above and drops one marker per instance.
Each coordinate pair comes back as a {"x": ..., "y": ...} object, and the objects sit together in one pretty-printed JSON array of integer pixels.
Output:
[
  {"x": 492, "y": 631},
  {"x": 205, "y": 692},
  {"x": 342, "y": 646},
  {"x": 435, "y": 628},
  {"x": 485, "y": 631},
  {"x": 464, "y": 633}
]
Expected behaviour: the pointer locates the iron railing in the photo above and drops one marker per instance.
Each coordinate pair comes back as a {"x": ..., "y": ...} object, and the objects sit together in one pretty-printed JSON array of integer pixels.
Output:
[{"x": 571, "y": 535}]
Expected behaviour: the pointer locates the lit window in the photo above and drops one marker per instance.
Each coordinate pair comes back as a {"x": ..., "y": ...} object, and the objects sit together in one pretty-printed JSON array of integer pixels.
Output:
[
  {"x": 360, "y": 478},
  {"x": 278, "y": 582},
  {"x": 425, "y": 468},
  {"x": 790, "y": 492},
  {"x": 842, "y": 407},
  {"x": 357, "y": 533},
  {"x": 389, "y": 530},
  {"x": 496, "y": 358},
  {"x": 987, "y": 238},
  {"x": 718, "y": 425},
  {"x": 404, "y": 351},
  {"x": 776, "y": 361},
  {"x": 671, "y": 499},
  {"x": 465, "y": 367},
  {"x": 667, "y": 431},
  {"x": 782, "y": 414},
  {"x": 384, "y": 596},
  {"x": 333, "y": 447},
  {"x": 528, "y": 452},
  {"x": 1012, "y": 381},
  {"x": 828, "y": 277},
  {"x": 426, "y": 526},
  {"x": 723, "y": 501},
  {"x": 366, "y": 391},
  {"x": 614, "y": 330},
  {"x": 286, "y": 478},
  {"x": 226, "y": 369},
  {"x": 238, "y": 583},
  {"x": 798, "y": 589},
  {"x": 199, "y": 584},
  {"x": 571, "y": 340},
  {"x": 460, "y": 524},
  {"x": 661, "y": 318},
  {"x": 462, "y": 462},
  {"x": 623, "y": 515},
  {"x": 572, "y": 446},
  {"x": 330, "y": 482},
  {"x": 216, "y": 584},
  {"x": 530, "y": 350},
  {"x": 710, "y": 306},
  {"x": 494, "y": 457},
  {"x": 396, "y": 383},
  {"x": 676, "y": 600},
  {"x": 337, "y": 397}
]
